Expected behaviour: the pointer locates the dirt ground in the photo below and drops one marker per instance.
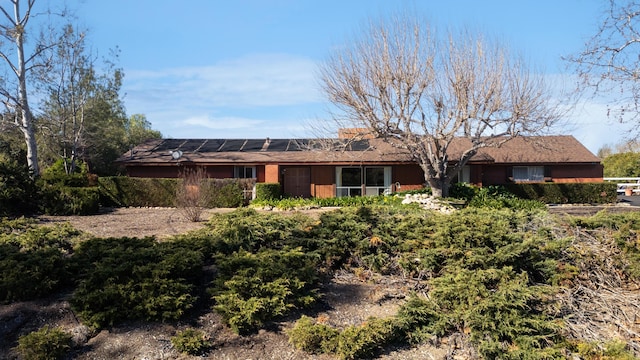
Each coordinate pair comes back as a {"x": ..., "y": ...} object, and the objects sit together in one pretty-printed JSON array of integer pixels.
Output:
[{"x": 348, "y": 300}]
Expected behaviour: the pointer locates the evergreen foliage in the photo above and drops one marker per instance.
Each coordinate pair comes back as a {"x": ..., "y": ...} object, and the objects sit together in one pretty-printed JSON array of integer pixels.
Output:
[
  {"x": 191, "y": 342},
  {"x": 44, "y": 344},
  {"x": 130, "y": 278},
  {"x": 268, "y": 191},
  {"x": 18, "y": 191}
]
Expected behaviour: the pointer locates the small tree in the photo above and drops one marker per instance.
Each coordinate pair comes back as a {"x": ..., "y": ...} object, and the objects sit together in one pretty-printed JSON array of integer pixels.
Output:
[
  {"x": 420, "y": 92},
  {"x": 191, "y": 196}
]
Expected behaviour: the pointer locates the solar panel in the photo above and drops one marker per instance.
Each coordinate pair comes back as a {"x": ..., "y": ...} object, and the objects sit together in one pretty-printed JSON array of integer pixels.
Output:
[
  {"x": 211, "y": 145},
  {"x": 191, "y": 145},
  {"x": 359, "y": 145},
  {"x": 253, "y": 145},
  {"x": 298, "y": 144},
  {"x": 232, "y": 145},
  {"x": 169, "y": 144},
  {"x": 278, "y": 145}
]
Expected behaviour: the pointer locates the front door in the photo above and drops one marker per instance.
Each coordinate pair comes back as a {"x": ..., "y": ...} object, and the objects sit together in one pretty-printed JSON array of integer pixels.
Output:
[{"x": 297, "y": 182}]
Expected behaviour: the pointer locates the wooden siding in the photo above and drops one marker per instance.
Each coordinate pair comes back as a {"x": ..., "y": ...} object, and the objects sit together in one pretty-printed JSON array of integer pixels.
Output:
[
  {"x": 323, "y": 181},
  {"x": 409, "y": 177},
  {"x": 271, "y": 173}
]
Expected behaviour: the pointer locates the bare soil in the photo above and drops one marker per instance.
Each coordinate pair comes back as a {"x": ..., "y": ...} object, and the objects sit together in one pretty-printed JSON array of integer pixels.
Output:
[{"x": 348, "y": 300}]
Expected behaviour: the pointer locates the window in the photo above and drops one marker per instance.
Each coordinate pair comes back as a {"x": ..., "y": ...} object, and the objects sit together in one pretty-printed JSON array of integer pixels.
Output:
[
  {"x": 244, "y": 172},
  {"x": 528, "y": 173},
  {"x": 464, "y": 175},
  {"x": 351, "y": 181}
]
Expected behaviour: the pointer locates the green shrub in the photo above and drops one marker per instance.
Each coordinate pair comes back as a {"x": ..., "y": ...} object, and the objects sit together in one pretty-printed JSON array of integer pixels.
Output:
[
  {"x": 44, "y": 344},
  {"x": 225, "y": 193},
  {"x": 367, "y": 340},
  {"x": 498, "y": 197},
  {"x": 566, "y": 193},
  {"x": 34, "y": 259},
  {"x": 65, "y": 200},
  {"x": 249, "y": 230},
  {"x": 129, "y": 191},
  {"x": 254, "y": 288},
  {"x": 463, "y": 191},
  {"x": 57, "y": 175},
  {"x": 306, "y": 335},
  {"x": 268, "y": 191},
  {"x": 130, "y": 278},
  {"x": 18, "y": 191},
  {"x": 31, "y": 274},
  {"x": 191, "y": 342}
]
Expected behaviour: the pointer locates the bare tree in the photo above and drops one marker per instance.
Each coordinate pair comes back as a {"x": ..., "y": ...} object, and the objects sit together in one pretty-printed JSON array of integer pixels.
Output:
[
  {"x": 610, "y": 62},
  {"x": 21, "y": 58},
  {"x": 191, "y": 194},
  {"x": 421, "y": 93}
]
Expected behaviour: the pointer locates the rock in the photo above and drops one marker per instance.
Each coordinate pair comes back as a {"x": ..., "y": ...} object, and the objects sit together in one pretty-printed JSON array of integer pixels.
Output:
[{"x": 429, "y": 202}]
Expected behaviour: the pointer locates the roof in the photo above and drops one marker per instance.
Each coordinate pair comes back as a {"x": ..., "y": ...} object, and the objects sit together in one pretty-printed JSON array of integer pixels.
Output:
[{"x": 543, "y": 149}]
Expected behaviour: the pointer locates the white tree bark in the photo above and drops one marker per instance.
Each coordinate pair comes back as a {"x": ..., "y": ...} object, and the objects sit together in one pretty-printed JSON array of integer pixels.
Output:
[{"x": 14, "y": 23}]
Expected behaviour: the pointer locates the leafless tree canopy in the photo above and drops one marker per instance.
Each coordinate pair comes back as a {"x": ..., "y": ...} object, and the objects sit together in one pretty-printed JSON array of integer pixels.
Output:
[
  {"x": 419, "y": 90},
  {"x": 610, "y": 62}
]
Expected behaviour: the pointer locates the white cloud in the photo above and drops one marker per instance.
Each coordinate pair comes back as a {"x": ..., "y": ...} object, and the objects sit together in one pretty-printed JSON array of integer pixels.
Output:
[
  {"x": 224, "y": 123},
  {"x": 254, "y": 80}
]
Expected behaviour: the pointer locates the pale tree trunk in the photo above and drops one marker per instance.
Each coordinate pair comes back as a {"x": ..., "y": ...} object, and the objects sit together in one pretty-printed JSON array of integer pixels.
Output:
[
  {"x": 14, "y": 31},
  {"x": 26, "y": 125}
]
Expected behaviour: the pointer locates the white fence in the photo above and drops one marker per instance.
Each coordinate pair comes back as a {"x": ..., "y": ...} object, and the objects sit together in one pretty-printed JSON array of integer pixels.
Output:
[{"x": 626, "y": 185}]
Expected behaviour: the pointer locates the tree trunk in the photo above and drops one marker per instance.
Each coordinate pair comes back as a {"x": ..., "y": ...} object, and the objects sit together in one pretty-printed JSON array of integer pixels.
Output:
[
  {"x": 26, "y": 124},
  {"x": 32, "y": 147},
  {"x": 439, "y": 187}
]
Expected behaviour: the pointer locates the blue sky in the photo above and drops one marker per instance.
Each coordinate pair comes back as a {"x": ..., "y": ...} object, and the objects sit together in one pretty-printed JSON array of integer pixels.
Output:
[{"x": 246, "y": 68}]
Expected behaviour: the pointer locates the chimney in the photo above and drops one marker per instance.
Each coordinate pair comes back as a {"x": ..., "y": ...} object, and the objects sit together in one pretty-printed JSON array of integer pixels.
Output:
[{"x": 355, "y": 133}]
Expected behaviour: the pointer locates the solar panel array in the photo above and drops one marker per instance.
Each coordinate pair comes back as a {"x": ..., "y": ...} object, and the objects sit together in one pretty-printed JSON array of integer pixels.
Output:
[{"x": 252, "y": 145}]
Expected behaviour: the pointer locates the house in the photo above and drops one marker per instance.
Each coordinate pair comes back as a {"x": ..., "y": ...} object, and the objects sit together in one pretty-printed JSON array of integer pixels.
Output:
[{"x": 343, "y": 167}]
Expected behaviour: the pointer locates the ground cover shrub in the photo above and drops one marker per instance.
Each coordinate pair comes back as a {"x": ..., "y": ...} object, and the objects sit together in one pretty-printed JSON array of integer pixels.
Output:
[
  {"x": 312, "y": 337},
  {"x": 130, "y": 278},
  {"x": 252, "y": 288},
  {"x": 249, "y": 230},
  {"x": 366, "y": 340},
  {"x": 44, "y": 344},
  {"x": 624, "y": 230},
  {"x": 34, "y": 260},
  {"x": 191, "y": 342},
  {"x": 610, "y": 350},
  {"x": 491, "y": 274}
]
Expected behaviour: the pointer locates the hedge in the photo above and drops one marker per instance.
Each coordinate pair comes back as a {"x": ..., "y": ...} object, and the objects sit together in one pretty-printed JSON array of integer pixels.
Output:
[
  {"x": 268, "y": 191},
  {"x": 123, "y": 191},
  {"x": 566, "y": 193}
]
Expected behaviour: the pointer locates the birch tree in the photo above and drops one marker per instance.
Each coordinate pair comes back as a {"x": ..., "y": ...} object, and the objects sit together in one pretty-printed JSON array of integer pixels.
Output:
[
  {"x": 21, "y": 50},
  {"x": 419, "y": 90}
]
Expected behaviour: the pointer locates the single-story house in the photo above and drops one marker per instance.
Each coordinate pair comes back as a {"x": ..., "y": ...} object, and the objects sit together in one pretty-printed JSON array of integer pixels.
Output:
[{"x": 337, "y": 167}]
